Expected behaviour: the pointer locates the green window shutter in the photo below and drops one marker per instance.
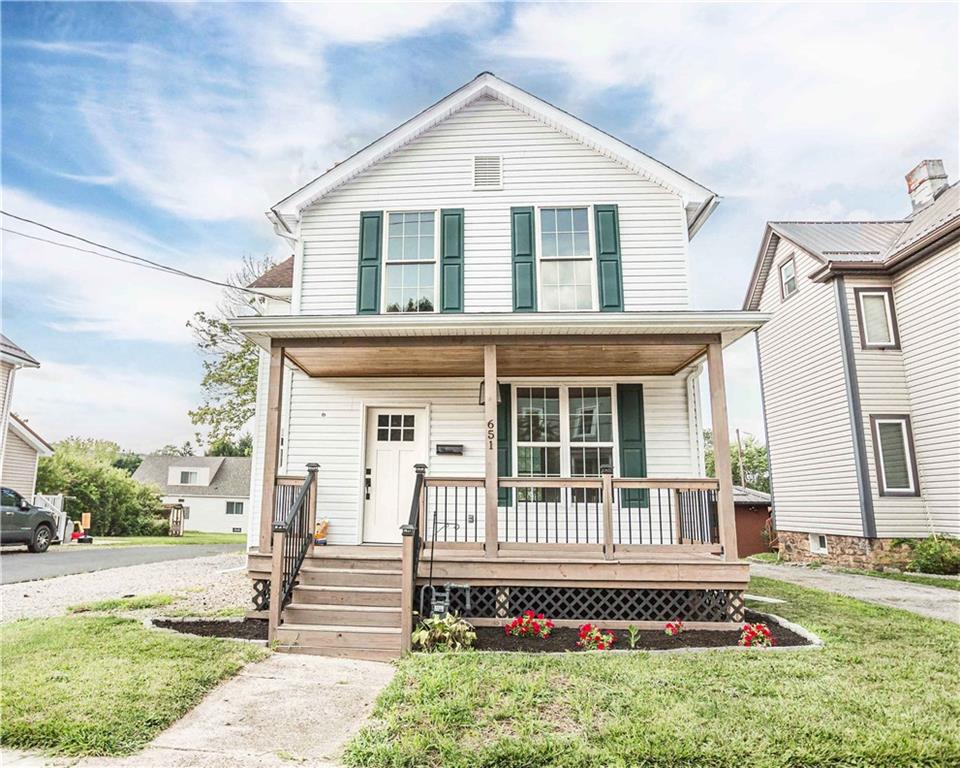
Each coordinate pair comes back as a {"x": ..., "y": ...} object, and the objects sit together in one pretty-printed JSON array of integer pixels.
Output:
[
  {"x": 524, "y": 260},
  {"x": 633, "y": 450},
  {"x": 609, "y": 272},
  {"x": 451, "y": 260},
  {"x": 368, "y": 272},
  {"x": 504, "y": 443}
]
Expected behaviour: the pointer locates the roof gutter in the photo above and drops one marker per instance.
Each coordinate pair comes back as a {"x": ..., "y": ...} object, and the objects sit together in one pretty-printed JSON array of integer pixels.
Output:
[{"x": 703, "y": 213}]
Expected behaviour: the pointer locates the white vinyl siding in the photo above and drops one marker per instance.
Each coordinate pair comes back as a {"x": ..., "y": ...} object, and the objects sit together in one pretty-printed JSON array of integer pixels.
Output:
[
  {"x": 927, "y": 301},
  {"x": 19, "y": 465},
  {"x": 7, "y": 373},
  {"x": 541, "y": 167},
  {"x": 326, "y": 426},
  {"x": 808, "y": 421},
  {"x": 206, "y": 514},
  {"x": 883, "y": 390}
]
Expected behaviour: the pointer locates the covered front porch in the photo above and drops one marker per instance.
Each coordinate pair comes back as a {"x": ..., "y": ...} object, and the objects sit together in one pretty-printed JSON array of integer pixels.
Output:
[{"x": 577, "y": 522}]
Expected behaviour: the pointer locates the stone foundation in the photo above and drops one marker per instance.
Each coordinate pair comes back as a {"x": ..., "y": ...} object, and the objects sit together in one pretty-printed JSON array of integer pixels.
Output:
[{"x": 843, "y": 551}]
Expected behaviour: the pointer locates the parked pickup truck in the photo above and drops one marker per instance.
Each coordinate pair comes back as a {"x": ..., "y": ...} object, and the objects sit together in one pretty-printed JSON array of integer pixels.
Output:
[{"x": 23, "y": 523}]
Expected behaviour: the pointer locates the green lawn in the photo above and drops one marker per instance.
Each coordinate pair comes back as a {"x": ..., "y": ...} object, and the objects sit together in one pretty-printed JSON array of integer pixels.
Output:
[
  {"x": 910, "y": 578},
  {"x": 882, "y": 693},
  {"x": 120, "y": 604},
  {"x": 103, "y": 685},
  {"x": 189, "y": 537}
]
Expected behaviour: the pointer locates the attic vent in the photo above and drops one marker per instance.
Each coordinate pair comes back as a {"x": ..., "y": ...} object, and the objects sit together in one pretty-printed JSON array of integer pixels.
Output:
[{"x": 487, "y": 172}]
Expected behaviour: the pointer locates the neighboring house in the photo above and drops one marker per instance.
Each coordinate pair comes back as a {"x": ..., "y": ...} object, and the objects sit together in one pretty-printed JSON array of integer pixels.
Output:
[
  {"x": 861, "y": 375},
  {"x": 20, "y": 446},
  {"x": 753, "y": 520},
  {"x": 497, "y": 294},
  {"x": 21, "y": 451},
  {"x": 213, "y": 490}
]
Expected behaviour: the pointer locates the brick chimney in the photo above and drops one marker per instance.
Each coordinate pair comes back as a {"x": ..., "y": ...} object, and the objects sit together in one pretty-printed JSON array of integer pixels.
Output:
[{"x": 925, "y": 182}]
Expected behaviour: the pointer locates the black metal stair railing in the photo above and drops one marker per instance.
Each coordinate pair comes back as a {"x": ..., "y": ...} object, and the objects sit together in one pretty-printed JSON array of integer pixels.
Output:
[{"x": 292, "y": 538}]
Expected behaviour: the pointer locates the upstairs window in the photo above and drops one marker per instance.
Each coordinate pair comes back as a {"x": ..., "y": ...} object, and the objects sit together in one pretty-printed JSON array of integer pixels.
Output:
[
  {"x": 411, "y": 262},
  {"x": 788, "y": 278},
  {"x": 188, "y": 477},
  {"x": 566, "y": 260},
  {"x": 893, "y": 452},
  {"x": 877, "y": 320}
]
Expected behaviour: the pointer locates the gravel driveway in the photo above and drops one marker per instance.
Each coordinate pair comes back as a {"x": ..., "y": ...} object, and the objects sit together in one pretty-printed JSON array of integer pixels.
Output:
[
  {"x": 205, "y": 583},
  {"x": 932, "y": 602}
]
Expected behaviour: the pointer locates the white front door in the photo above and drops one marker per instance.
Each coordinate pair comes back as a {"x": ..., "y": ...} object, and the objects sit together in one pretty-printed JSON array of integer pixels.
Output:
[{"x": 396, "y": 441}]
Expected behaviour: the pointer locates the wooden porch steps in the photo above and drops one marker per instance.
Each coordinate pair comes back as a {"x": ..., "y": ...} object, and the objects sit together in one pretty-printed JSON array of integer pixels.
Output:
[{"x": 346, "y": 604}]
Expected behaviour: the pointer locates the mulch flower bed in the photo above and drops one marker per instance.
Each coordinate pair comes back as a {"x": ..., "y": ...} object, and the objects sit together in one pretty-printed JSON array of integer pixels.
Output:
[
  {"x": 565, "y": 638},
  {"x": 248, "y": 629}
]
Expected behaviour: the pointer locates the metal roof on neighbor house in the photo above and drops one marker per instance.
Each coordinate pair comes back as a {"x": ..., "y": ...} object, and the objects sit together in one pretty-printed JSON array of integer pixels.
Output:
[
  {"x": 842, "y": 240},
  {"x": 230, "y": 475},
  {"x": 16, "y": 353}
]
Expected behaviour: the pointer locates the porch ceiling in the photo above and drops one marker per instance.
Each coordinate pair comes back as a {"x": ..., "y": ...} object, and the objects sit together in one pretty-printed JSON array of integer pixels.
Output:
[{"x": 583, "y": 356}]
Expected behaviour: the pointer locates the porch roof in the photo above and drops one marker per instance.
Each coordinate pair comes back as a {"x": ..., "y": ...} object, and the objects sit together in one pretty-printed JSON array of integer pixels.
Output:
[{"x": 560, "y": 344}]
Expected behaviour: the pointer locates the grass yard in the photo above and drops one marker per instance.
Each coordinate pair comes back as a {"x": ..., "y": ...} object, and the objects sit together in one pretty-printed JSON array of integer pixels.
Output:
[
  {"x": 120, "y": 604},
  {"x": 882, "y": 693},
  {"x": 910, "y": 578},
  {"x": 103, "y": 685},
  {"x": 189, "y": 537}
]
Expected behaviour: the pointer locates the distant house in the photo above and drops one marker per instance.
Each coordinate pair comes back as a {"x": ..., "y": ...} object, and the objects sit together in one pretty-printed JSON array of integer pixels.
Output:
[
  {"x": 214, "y": 490},
  {"x": 753, "y": 520},
  {"x": 861, "y": 375},
  {"x": 20, "y": 445}
]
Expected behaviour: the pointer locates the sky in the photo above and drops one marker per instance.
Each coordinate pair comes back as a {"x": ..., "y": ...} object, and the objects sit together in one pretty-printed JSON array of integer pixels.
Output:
[{"x": 168, "y": 129}]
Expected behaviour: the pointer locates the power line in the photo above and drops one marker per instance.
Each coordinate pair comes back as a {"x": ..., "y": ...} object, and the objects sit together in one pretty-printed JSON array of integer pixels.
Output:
[{"x": 138, "y": 261}]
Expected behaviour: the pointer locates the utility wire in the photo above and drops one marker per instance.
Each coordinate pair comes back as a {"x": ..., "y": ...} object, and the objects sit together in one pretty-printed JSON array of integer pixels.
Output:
[{"x": 138, "y": 261}]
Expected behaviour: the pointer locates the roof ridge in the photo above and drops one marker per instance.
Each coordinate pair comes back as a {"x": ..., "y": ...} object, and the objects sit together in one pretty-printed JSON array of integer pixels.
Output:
[{"x": 839, "y": 221}]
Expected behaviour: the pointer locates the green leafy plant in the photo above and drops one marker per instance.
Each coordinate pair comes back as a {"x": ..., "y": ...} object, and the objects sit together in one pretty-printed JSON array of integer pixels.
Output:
[
  {"x": 633, "y": 636},
  {"x": 935, "y": 554},
  {"x": 592, "y": 638},
  {"x": 444, "y": 633}
]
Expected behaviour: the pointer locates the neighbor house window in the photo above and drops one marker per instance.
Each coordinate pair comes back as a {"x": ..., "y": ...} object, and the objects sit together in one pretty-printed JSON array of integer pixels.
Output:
[
  {"x": 877, "y": 320},
  {"x": 411, "y": 262},
  {"x": 893, "y": 452},
  {"x": 566, "y": 259},
  {"x": 234, "y": 507},
  {"x": 818, "y": 544},
  {"x": 563, "y": 431},
  {"x": 788, "y": 278},
  {"x": 188, "y": 477}
]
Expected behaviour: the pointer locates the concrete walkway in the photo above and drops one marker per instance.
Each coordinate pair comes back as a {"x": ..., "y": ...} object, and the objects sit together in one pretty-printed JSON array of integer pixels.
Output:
[
  {"x": 284, "y": 711},
  {"x": 932, "y": 602}
]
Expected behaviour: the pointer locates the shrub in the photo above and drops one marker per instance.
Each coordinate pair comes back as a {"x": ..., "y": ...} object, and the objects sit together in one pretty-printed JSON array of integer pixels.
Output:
[
  {"x": 592, "y": 638},
  {"x": 756, "y": 635},
  {"x": 674, "y": 628},
  {"x": 528, "y": 624},
  {"x": 444, "y": 633},
  {"x": 935, "y": 554}
]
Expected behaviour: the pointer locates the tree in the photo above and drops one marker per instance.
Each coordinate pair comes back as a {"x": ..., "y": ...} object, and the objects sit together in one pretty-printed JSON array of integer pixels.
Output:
[
  {"x": 104, "y": 451},
  {"x": 222, "y": 446},
  {"x": 128, "y": 461},
  {"x": 83, "y": 471},
  {"x": 175, "y": 450},
  {"x": 755, "y": 466},
  {"x": 231, "y": 361}
]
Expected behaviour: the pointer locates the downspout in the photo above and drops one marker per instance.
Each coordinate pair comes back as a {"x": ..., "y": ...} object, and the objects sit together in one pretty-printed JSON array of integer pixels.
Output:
[{"x": 856, "y": 414}]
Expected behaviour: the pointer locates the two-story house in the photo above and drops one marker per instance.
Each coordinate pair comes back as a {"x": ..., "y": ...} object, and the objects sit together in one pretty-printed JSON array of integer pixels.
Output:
[
  {"x": 490, "y": 354},
  {"x": 860, "y": 368}
]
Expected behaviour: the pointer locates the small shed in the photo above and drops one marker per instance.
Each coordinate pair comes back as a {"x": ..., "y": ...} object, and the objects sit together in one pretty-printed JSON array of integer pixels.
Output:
[{"x": 755, "y": 532}]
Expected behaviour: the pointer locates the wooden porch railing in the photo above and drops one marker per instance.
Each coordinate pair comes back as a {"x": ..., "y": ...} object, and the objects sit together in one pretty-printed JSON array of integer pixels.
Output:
[{"x": 293, "y": 524}]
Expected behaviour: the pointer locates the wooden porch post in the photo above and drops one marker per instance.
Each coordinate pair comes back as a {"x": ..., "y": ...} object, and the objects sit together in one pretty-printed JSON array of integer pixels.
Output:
[
  {"x": 606, "y": 475},
  {"x": 271, "y": 447},
  {"x": 491, "y": 473},
  {"x": 721, "y": 450}
]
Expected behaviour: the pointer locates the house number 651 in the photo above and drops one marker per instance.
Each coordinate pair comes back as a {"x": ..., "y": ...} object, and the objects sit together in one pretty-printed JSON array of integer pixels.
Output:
[{"x": 491, "y": 433}]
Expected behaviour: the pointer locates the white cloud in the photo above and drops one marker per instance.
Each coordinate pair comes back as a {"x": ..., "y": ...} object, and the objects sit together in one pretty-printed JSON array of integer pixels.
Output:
[
  {"x": 140, "y": 412},
  {"x": 767, "y": 101},
  {"x": 91, "y": 294}
]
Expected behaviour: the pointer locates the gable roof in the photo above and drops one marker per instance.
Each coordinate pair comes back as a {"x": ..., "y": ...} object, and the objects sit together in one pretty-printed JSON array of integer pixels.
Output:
[
  {"x": 742, "y": 495},
  {"x": 13, "y": 353},
  {"x": 22, "y": 430},
  {"x": 229, "y": 475},
  {"x": 848, "y": 246},
  {"x": 278, "y": 276},
  {"x": 697, "y": 199}
]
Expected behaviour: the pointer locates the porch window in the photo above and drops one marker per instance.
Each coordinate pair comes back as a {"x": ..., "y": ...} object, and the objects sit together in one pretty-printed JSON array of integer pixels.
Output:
[
  {"x": 566, "y": 259},
  {"x": 538, "y": 439},
  {"x": 591, "y": 435},
  {"x": 411, "y": 262}
]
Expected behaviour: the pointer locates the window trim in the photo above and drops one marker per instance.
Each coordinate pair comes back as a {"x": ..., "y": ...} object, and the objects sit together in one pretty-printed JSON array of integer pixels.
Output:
[
  {"x": 565, "y": 443},
  {"x": 815, "y": 548},
  {"x": 591, "y": 243},
  {"x": 907, "y": 432},
  {"x": 188, "y": 473},
  {"x": 227, "y": 508},
  {"x": 792, "y": 258},
  {"x": 384, "y": 262},
  {"x": 887, "y": 293}
]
